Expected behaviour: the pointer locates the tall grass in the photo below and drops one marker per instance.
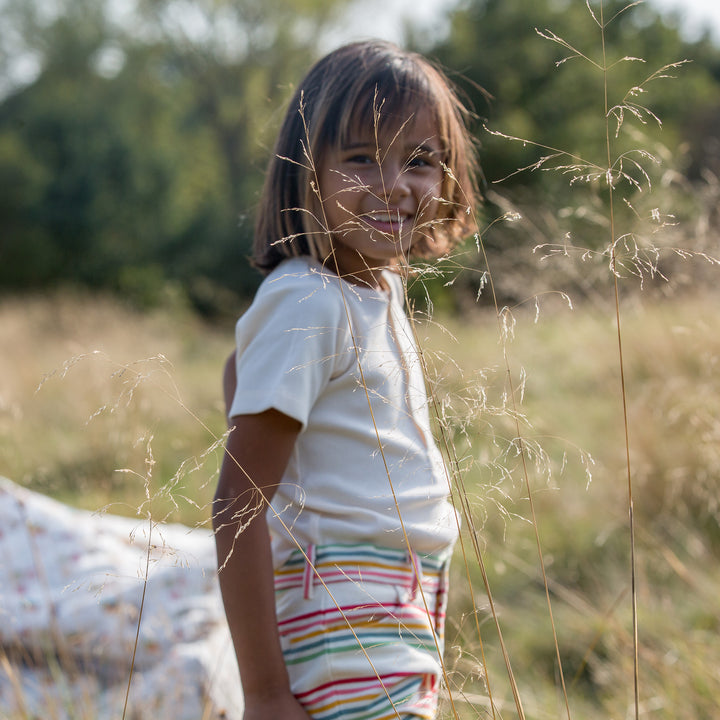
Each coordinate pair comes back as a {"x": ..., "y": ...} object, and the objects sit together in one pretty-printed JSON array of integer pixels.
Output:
[
  {"x": 95, "y": 415},
  {"x": 91, "y": 389},
  {"x": 584, "y": 438},
  {"x": 630, "y": 251},
  {"x": 572, "y": 398},
  {"x": 571, "y": 403}
]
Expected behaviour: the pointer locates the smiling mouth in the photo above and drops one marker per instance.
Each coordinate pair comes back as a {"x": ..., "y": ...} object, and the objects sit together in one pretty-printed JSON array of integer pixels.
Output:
[{"x": 395, "y": 220}]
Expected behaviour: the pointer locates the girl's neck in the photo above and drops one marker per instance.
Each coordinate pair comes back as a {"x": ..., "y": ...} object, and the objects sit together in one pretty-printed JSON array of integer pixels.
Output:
[{"x": 360, "y": 273}]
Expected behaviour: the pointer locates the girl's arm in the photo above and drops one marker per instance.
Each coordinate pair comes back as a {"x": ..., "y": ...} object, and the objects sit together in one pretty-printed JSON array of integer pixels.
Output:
[{"x": 257, "y": 452}]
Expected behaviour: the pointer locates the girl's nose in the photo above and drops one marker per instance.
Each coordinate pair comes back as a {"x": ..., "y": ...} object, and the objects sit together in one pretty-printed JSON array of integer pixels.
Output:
[{"x": 396, "y": 180}]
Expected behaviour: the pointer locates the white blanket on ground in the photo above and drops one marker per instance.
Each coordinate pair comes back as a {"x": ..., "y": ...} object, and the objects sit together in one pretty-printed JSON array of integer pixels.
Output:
[{"x": 71, "y": 587}]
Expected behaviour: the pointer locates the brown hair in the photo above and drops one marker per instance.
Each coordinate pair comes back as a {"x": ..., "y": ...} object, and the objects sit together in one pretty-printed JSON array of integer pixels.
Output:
[{"x": 342, "y": 90}]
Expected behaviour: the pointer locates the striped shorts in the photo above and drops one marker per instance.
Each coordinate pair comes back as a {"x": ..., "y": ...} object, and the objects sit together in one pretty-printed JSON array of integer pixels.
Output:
[{"x": 361, "y": 629}]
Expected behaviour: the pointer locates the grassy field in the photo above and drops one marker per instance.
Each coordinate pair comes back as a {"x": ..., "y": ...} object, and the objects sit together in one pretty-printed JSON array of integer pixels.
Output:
[
  {"x": 571, "y": 421},
  {"x": 104, "y": 407}
]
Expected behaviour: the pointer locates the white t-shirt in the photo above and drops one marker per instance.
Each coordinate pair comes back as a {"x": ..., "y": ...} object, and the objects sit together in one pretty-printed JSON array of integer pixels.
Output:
[{"x": 308, "y": 346}]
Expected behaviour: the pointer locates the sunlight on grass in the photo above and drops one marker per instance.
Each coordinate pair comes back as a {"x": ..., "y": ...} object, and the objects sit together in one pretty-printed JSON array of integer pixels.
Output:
[
  {"x": 54, "y": 440},
  {"x": 80, "y": 419},
  {"x": 108, "y": 409}
]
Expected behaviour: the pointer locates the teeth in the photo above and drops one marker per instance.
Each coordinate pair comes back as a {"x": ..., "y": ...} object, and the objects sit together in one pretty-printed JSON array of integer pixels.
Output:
[{"x": 385, "y": 217}]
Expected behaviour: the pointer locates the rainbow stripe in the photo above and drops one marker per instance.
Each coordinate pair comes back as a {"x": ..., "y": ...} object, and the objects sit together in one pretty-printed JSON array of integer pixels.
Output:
[
  {"x": 332, "y": 645},
  {"x": 340, "y": 630},
  {"x": 371, "y": 698},
  {"x": 362, "y": 564}
]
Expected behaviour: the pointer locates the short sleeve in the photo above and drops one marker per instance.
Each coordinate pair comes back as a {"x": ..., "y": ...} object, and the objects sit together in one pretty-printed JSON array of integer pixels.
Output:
[{"x": 291, "y": 341}]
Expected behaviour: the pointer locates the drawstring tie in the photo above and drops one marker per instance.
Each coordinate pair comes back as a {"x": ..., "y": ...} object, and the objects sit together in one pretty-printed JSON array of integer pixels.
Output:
[{"x": 309, "y": 572}]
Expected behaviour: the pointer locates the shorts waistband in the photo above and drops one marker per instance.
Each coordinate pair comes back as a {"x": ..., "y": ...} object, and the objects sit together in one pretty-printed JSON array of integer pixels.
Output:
[{"x": 362, "y": 563}]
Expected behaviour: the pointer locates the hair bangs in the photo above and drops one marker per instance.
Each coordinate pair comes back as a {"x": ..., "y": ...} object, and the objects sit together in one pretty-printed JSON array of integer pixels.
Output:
[{"x": 384, "y": 102}]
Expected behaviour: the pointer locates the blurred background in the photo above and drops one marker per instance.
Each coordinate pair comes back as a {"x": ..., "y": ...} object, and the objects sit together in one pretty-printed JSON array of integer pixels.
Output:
[
  {"x": 133, "y": 140},
  {"x": 133, "y": 135}
]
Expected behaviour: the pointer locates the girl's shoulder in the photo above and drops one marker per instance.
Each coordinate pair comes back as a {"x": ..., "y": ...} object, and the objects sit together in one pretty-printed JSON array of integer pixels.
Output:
[
  {"x": 298, "y": 289},
  {"x": 298, "y": 274},
  {"x": 305, "y": 281}
]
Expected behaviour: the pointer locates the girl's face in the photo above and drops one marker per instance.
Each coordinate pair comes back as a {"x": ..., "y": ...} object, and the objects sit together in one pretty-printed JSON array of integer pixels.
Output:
[{"x": 381, "y": 193}]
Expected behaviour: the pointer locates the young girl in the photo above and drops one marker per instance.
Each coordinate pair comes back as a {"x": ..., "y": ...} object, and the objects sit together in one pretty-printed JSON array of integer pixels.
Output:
[{"x": 333, "y": 527}]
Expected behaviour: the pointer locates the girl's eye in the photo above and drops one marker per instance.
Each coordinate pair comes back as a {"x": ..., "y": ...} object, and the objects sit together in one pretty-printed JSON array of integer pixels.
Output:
[
  {"x": 421, "y": 160},
  {"x": 360, "y": 159}
]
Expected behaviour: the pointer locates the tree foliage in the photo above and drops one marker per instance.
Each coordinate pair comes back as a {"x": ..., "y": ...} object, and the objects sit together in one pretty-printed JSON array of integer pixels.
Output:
[
  {"x": 536, "y": 74},
  {"x": 531, "y": 87},
  {"x": 132, "y": 160}
]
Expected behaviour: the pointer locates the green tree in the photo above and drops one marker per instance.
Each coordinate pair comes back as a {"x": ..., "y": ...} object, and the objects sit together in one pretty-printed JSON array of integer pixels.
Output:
[
  {"x": 238, "y": 62},
  {"x": 533, "y": 88},
  {"x": 135, "y": 157},
  {"x": 534, "y": 70}
]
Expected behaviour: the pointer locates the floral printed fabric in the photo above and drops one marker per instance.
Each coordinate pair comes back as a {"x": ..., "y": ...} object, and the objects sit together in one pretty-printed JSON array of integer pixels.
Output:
[{"x": 71, "y": 588}]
